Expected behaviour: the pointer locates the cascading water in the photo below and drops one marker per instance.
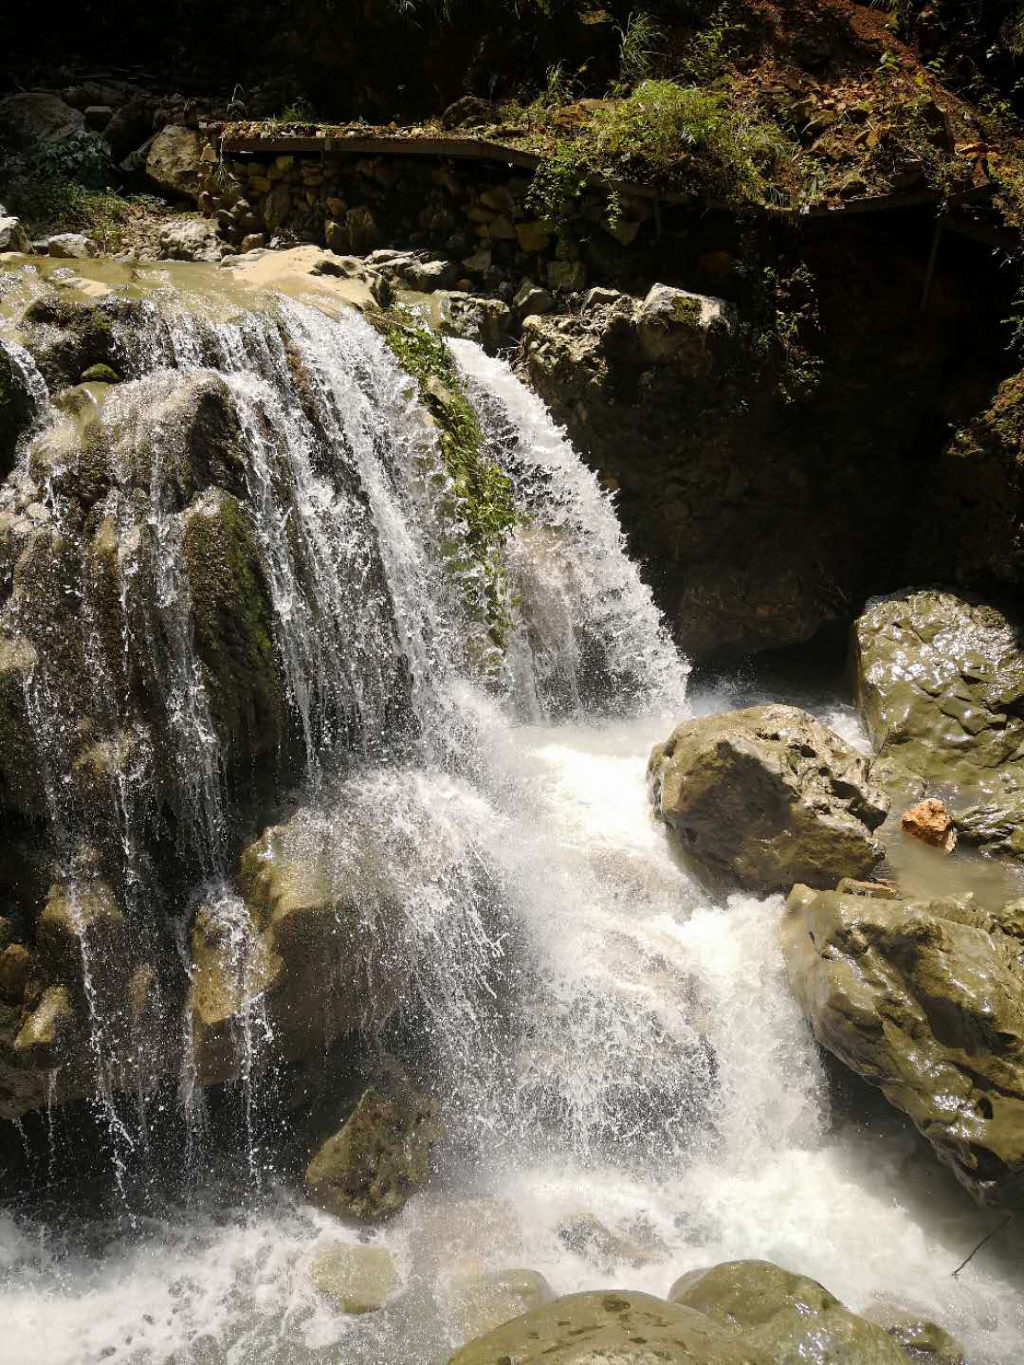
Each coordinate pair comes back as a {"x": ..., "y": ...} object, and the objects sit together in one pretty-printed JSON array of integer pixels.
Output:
[{"x": 606, "y": 1041}]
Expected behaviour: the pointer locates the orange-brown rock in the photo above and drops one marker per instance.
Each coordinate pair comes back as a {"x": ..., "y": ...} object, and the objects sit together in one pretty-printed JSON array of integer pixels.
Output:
[{"x": 930, "y": 822}]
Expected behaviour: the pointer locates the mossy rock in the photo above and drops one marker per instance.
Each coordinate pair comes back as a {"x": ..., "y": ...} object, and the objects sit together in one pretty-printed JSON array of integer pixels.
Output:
[
  {"x": 378, "y": 1158},
  {"x": 99, "y": 374},
  {"x": 690, "y": 332},
  {"x": 788, "y": 1318},
  {"x": 67, "y": 338},
  {"x": 21, "y": 771},
  {"x": 610, "y": 1325}
]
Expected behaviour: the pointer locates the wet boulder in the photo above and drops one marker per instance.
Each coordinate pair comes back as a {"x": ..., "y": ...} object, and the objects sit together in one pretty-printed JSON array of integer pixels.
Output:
[
  {"x": 994, "y": 826},
  {"x": 940, "y": 686},
  {"x": 301, "y": 939},
  {"x": 66, "y": 337},
  {"x": 479, "y": 1303},
  {"x": 786, "y": 1317},
  {"x": 233, "y": 623},
  {"x": 922, "y": 1341},
  {"x": 611, "y": 1325},
  {"x": 353, "y": 1278},
  {"x": 378, "y": 1157},
  {"x": 767, "y": 797},
  {"x": 924, "y": 999}
]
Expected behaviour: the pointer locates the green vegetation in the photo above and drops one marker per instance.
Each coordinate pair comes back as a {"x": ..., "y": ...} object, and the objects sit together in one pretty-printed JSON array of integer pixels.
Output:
[
  {"x": 48, "y": 206},
  {"x": 641, "y": 48},
  {"x": 65, "y": 186},
  {"x": 683, "y": 136},
  {"x": 707, "y": 51},
  {"x": 786, "y": 330},
  {"x": 478, "y": 493}
]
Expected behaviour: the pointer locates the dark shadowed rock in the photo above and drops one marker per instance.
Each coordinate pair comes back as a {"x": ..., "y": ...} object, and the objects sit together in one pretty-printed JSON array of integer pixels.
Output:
[{"x": 29, "y": 117}]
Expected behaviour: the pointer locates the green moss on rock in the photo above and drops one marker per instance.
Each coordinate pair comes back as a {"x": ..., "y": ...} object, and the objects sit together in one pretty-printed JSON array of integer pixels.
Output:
[{"x": 480, "y": 493}]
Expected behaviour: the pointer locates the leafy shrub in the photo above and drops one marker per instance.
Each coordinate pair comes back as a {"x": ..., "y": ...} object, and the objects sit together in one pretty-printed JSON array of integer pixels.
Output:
[
  {"x": 83, "y": 159},
  {"x": 641, "y": 48},
  {"x": 706, "y": 53},
  {"x": 54, "y": 205},
  {"x": 683, "y": 135},
  {"x": 786, "y": 329}
]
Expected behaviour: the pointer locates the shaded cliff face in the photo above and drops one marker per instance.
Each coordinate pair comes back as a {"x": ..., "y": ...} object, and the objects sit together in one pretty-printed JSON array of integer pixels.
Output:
[{"x": 766, "y": 508}]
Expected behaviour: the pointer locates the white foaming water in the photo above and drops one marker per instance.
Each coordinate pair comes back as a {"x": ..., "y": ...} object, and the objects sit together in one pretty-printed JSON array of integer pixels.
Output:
[{"x": 615, "y": 1045}]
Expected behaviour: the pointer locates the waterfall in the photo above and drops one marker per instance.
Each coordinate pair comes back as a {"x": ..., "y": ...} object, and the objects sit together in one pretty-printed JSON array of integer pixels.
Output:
[{"x": 269, "y": 656}]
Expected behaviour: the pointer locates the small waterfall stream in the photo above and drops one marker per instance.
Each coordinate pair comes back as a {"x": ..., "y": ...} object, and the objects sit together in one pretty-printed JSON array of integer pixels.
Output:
[{"x": 609, "y": 1041}]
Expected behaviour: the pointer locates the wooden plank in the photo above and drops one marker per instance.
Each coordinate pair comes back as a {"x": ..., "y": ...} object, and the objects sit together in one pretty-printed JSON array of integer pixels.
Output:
[{"x": 360, "y": 143}]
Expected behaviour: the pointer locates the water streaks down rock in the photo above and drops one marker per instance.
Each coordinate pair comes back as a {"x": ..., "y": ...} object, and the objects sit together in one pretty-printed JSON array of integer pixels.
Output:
[
  {"x": 924, "y": 999},
  {"x": 767, "y": 797}
]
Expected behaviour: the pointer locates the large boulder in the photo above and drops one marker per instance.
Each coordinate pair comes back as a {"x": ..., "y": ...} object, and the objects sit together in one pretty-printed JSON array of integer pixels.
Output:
[
  {"x": 129, "y": 127},
  {"x": 756, "y": 511},
  {"x": 29, "y": 117},
  {"x": 173, "y": 162},
  {"x": 353, "y": 1278},
  {"x": 378, "y": 1157},
  {"x": 940, "y": 686},
  {"x": 924, "y": 999},
  {"x": 766, "y": 797},
  {"x": 233, "y": 624},
  {"x": 67, "y": 338},
  {"x": 317, "y": 938},
  {"x": 789, "y": 1318},
  {"x": 688, "y": 331},
  {"x": 613, "y": 1326},
  {"x": 479, "y": 1303}
]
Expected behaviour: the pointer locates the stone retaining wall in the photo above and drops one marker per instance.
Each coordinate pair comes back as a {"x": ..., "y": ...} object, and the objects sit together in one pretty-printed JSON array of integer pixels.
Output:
[{"x": 477, "y": 214}]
